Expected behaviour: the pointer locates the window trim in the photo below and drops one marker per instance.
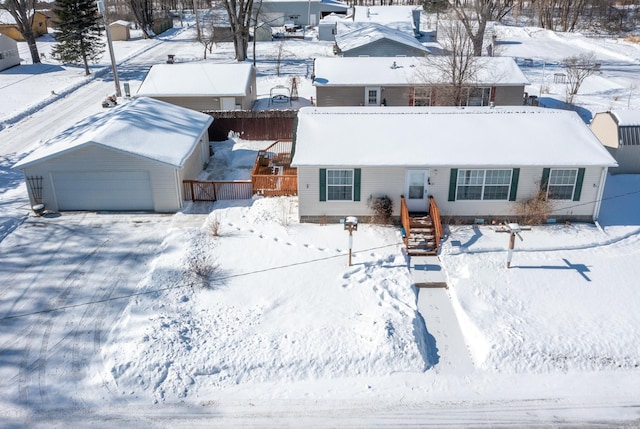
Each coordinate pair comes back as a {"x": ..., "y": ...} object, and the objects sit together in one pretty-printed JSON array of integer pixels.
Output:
[
  {"x": 378, "y": 91},
  {"x": 573, "y": 186}
]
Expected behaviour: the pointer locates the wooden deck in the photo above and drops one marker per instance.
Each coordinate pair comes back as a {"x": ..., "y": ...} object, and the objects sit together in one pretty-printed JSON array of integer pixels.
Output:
[{"x": 272, "y": 174}]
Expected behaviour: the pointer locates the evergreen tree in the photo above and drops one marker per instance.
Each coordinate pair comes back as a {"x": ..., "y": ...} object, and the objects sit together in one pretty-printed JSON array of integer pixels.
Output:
[{"x": 78, "y": 36}]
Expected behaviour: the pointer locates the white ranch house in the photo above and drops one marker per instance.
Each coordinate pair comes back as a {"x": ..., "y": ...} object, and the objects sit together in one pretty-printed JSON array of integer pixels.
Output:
[
  {"x": 476, "y": 162},
  {"x": 132, "y": 157},
  {"x": 202, "y": 86},
  {"x": 412, "y": 81}
]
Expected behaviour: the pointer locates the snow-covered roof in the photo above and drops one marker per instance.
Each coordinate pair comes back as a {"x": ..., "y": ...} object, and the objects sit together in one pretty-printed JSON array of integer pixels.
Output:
[
  {"x": 7, "y": 18},
  {"x": 373, "y": 32},
  {"x": 121, "y": 22},
  {"x": 627, "y": 117},
  {"x": 384, "y": 14},
  {"x": 143, "y": 127},
  {"x": 445, "y": 137},
  {"x": 401, "y": 71},
  {"x": 197, "y": 79}
]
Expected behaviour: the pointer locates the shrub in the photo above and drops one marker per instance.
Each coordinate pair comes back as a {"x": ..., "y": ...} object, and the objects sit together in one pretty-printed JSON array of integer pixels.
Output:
[
  {"x": 382, "y": 208},
  {"x": 534, "y": 210}
]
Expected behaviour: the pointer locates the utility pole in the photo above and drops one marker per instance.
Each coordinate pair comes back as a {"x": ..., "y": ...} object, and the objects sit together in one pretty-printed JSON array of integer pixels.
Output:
[{"x": 116, "y": 81}]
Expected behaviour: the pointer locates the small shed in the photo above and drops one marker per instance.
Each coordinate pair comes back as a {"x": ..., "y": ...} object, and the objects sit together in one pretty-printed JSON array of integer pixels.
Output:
[
  {"x": 263, "y": 32},
  {"x": 9, "y": 56},
  {"x": 328, "y": 27},
  {"x": 619, "y": 132},
  {"x": 202, "y": 86},
  {"x": 133, "y": 157},
  {"x": 120, "y": 30}
]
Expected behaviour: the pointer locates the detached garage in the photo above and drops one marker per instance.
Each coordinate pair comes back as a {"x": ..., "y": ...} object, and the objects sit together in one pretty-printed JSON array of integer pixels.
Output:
[{"x": 131, "y": 158}]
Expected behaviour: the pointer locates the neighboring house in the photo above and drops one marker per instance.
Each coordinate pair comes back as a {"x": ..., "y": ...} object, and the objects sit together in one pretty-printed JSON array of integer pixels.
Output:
[
  {"x": 397, "y": 17},
  {"x": 619, "y": 132},
  {"x": 477, "y": 162},
  {"x": 202, "y": 86},
  {"x": 132, "y": 157},
  {"x": 377, "y": 40},
  {"x": 410, "y": 81},
  {"x": 300, "y": 12},
  {"x": 9, "y": 27},
  {"x": 120, "y": 30},
  {"x": 9, "y": 55}
]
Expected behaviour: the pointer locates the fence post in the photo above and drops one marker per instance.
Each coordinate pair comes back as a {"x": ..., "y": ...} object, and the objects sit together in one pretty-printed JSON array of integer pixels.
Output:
[{"x": 192, "y": 192}]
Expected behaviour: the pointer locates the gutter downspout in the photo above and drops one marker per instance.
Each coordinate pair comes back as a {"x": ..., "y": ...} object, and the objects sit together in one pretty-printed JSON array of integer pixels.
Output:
[{"x": 598, "y": 204}]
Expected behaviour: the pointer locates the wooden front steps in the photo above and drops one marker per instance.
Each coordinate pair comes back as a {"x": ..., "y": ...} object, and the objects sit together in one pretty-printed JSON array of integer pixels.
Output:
[{"x": 421, "y": 239}]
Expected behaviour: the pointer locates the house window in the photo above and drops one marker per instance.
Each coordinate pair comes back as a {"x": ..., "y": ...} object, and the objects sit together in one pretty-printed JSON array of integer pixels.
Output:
[
  {"x": 339, "y": 185},
  {"x": 479, "y": 96},
  {"x": 483, "y": 184},
  {"x": 562, "y": 184},
  {"x": 372, "y": 96},
  {"x": 422, "y": 96}
]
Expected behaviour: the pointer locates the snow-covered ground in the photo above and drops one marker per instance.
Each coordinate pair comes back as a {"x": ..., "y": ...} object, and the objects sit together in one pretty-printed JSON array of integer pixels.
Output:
[{"x": 235, "y": 315}]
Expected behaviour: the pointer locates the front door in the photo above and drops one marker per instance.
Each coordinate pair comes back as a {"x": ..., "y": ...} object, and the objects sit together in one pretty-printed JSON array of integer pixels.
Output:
[{"x": 416, "y": 190}]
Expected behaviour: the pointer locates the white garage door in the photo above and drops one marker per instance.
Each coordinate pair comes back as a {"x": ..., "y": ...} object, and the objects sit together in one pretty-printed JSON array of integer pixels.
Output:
[{"x": 106, "y": 190}]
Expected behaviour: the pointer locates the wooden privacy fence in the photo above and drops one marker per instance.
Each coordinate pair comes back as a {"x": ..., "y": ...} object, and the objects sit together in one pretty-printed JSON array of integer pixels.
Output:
[
  {"x": 252, "y": 125},
  {"x": 214, "y": 191}
]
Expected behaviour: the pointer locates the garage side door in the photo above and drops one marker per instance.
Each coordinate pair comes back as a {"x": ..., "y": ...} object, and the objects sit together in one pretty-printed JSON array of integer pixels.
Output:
[{"x": 103, "y": 190}]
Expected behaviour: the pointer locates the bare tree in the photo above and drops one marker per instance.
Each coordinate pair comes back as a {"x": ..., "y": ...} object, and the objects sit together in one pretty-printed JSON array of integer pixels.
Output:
[
  {"x": 240, "y": 17},
  {"x": 143, "y": 11},
  {"x": 23, "y": 12},
  {"x": 578, "y": 68},
  {"x": 475, "y": 14},
  {"x": 455, "y": 71}
]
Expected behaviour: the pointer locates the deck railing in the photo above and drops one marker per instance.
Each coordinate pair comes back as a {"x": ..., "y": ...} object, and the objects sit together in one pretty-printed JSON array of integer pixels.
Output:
[
  {"x": 405, "y": 219},
  {"x": 434, "y": 212}
]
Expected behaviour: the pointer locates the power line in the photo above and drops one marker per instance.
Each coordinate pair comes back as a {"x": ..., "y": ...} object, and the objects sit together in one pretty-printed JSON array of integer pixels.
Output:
[{"x": 100, "y": 301}]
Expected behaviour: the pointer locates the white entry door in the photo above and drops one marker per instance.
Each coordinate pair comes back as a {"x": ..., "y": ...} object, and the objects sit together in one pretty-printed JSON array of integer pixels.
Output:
[
  {"x": 228, "y": 103},
  {"x": 416, "y": 191}
]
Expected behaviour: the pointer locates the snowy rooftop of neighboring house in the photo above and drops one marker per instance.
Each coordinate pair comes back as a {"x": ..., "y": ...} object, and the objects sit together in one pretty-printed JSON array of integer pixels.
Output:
[
  {"x": 401, "y": 71},
  {"x": 372, "y": 32},
  {"x": 627, "y": 117},
  {"x": 142, "y": 127},
  {"x": 197, "y": 79},
  {"x": 445, "y": 137},
  {"x": 384, "y": 14},
  {"x": 331, "y": 2}
]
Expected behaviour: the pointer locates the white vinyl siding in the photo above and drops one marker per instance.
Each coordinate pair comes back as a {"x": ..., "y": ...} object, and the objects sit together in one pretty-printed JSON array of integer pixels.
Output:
[{"x": 163, "y": 178}]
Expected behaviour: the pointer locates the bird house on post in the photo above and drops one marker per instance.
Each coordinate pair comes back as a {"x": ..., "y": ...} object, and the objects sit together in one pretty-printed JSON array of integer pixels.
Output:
[
  {"x": 350, "y": 224},
  {"x": 514, "y": 229}
]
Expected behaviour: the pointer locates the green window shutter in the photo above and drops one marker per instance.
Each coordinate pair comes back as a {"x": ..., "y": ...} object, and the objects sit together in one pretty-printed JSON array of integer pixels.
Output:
[
  {"x": 323, "y": 184},
  {"x": 578, "y": 189},
  {"x": 515, "y": 174},
  {"x": 453, "y": 182},
  {"x": 544, "y": 182},
  {"x": 356, "y": 184}
]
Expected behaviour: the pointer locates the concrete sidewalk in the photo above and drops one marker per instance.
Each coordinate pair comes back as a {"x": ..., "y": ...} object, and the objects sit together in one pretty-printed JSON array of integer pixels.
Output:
[{"x": 434, "y": 305}]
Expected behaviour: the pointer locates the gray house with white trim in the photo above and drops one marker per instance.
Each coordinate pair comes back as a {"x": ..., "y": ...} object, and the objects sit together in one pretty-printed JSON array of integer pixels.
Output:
[
  {"x": 477, "y": 162},
  {"x": 132, "y": 157},
  {"x": 411, "y": 81}
]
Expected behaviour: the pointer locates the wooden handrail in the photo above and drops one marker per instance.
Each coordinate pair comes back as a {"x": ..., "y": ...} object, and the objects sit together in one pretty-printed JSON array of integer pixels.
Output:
[
  {"x": 405, "y": 220},
  {"x": 434, "y": 212}
]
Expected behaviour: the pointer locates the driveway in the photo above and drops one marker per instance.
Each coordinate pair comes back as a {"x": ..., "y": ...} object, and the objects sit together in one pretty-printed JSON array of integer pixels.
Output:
[{"x": 52, "y": 268}]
